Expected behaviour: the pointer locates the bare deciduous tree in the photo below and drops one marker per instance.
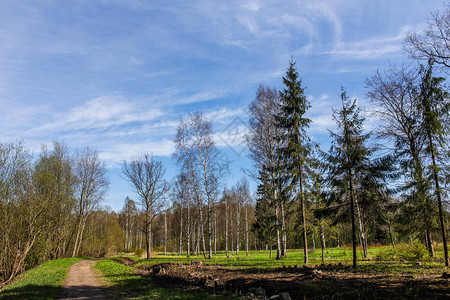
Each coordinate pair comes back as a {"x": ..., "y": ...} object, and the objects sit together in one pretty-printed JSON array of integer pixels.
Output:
[
  {"x": 146, "y": 175},
  {"x": 434, "y": 42},
  {"x": 92, "y": 184},
  {"x": 394, "y": 91}
]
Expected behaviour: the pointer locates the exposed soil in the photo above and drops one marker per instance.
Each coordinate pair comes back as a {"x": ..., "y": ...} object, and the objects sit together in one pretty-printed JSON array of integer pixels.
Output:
[
  {"x": 300, "y": 282},
  {"x": 82, "y": 283}
]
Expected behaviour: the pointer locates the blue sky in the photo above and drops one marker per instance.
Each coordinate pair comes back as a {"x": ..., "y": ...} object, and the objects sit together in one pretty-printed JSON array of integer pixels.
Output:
[{"x": 118, "y": 75}]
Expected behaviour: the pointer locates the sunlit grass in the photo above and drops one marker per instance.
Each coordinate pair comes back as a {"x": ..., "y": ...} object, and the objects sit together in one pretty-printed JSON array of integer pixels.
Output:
[
  {"x": 126, "y": 285},
  {"x": 333, "y": 256}
]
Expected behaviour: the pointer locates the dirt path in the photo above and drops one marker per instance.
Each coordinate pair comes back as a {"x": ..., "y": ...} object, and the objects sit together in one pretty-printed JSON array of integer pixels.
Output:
[{"x": 82, "y": 283}]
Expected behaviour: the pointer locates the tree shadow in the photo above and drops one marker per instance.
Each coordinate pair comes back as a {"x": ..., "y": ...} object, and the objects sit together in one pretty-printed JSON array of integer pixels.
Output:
[
  {"x": 30, "y": 291},
  {"x": 83, "y": 292},
  {"x": 40, "y": 292}
]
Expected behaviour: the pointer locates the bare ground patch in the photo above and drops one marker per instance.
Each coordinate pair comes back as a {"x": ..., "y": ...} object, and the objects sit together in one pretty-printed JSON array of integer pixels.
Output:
[
  {"x": 325, "y": 282},
  {"x": 82, "y": 283}
]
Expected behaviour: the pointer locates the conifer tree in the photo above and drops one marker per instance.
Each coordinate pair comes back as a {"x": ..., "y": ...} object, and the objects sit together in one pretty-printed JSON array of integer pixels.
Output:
[
  {"x": 296, "y": 143},
  {"x": 265, "y": 218},
  {"x": 348, "y": 156},
  {"x": 433, "y": 103}
]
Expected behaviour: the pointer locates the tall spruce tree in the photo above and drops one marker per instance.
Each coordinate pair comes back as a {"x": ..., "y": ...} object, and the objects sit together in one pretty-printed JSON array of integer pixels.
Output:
[
  {"x": 348, "y": 156},
  {"x": 296, "y": 144},
  {"x": 433, "y": 103}
]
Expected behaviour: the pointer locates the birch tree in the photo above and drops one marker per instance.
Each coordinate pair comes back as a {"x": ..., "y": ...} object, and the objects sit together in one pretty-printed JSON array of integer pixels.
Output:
[
  {"x": 197, "y": 153},
  {"x": 263, "y": 142}
]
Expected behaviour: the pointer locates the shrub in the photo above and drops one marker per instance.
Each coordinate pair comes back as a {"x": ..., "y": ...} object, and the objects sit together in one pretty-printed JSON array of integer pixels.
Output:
[
  {"x": 139, "y": 252},
  {"x": 385, "y": 255},
  {"x": 409, "y": 252}
]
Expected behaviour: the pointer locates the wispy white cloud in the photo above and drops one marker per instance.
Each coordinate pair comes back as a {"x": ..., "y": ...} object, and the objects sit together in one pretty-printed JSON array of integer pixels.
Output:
[
  {"x": 320, "y": 113},
  {"x": 225, "y": 115},
  {"x": 117, "y": 153},
  {"x": 200, "y": 96},
  {"x": 100, "y": 113},
  {"x": 370, "y": 48}
]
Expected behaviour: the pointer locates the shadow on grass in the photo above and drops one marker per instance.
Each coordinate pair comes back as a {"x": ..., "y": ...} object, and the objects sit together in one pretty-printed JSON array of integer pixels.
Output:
[
  {"x": 40, "y": 292},
  {"x": 84, "y": 292},
  {"x": 32, "y": 292},
  {"x": 136, "y": 286}
]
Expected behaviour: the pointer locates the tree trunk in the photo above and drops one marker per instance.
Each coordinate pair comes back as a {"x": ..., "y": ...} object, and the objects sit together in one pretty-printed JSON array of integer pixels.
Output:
[
  {"x": 148, "y": 238},
  {"x": 165, "y": 232},
  {"x": 180, "y": 251},
  {"x": 80, "y": 231},
  {"x": 322, "y": 241},
  {"x": 277, "y": 213},
  {"x": 302, "y": 205},
  {"x": 421, "y": 194},
  {"x": 76, "y": 238},
  {"x": 226, "y": 227},
  {"x": 390, "y": 234},
  {"x": 81, "y": 237},
  {"x": 200, "y": 236},
  {"x": 125, "y": 244},
  {"x": 209, "y": 230},
  {"x": 165, "y": 224},
  {"x": 313, "y": 243},
  {"x": 215, "y": 230},
  {"x": 246, "y": 231},
  {"x": 188, "y": 229},
  {"x": 361, "y": 228},
  {"x": 352, "y": 211},
  {"x": 270, "y": 251},
  {"x": 430, "y": 242},
  {"x": 438, "y": 197},
  {"x": 238, "y": 227},
  {"x": 232, "y": 243},
  {"x": 202, "y": 232},
  {"x": 283, "y": 231}
]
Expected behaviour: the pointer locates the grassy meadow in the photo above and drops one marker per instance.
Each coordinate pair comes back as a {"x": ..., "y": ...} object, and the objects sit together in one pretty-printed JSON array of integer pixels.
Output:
[{"x": 406, "y": 259}]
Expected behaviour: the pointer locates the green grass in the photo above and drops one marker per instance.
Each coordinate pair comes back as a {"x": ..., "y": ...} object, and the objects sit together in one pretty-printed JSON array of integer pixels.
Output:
[
  {"x": 260, "y": 260},
  {"x": 42, "y": 282},
  {"x": 126, "y": 285}
]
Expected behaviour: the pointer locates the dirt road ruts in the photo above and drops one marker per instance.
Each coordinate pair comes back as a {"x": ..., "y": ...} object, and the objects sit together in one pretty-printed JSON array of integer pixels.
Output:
[{"x": 82, "y": 283}]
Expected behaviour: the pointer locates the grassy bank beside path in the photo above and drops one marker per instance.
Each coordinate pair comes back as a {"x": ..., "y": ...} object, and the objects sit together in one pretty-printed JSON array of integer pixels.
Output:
[{"x": 43, "y": 282}]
